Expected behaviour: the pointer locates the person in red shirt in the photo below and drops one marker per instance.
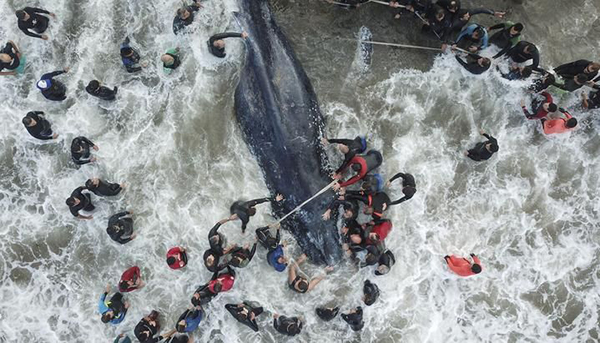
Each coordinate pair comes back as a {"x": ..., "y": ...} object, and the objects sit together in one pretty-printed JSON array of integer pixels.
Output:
[
  {"x": 462, "y": 266},
  {"x": 362, "y": 165},
  {"x": 377, "y": 232},
  {"x": 222, "y": 282},
  {"x": 176, "y": 257},
  {"x": 562, "y": 124},
  {"x": 131, "y": 280},
  {"x": 541, "y": 106}
]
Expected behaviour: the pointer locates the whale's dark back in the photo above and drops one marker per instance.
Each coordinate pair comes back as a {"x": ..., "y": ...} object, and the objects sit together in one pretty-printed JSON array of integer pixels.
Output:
[{"x": 279, "y": 114}]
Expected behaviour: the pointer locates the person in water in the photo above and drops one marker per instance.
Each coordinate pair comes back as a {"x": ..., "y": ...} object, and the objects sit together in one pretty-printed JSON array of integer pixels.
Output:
[
  {"x": 350, "y": 208},
  {"x": 559, "y": 123},
  {"x": 266, "y": 239},
  {"x": 474, "y": 64},
  {"x": 461, "y": 17},
  {"x": 103, "y": 188},
  {"x": 241, "y": 256},
  {"x": 131, "y": 280},
  {"x": 95, "y": 88},
  {"x": 362, "y": 165},
  {"x": 300, "y": 283},
  {"x": 185, "y": 16},
  {"x": 218, "y": 248},
  {"x": 131, "y": 58},
  {"x": 222, "y": 281},
  {"x": 190, "y": 319},
  {"x": 276, "y": 257},
  {"x": 10, "y": 59},
  {"x": 79, "y": 201},
  {"x": 123, "y": 338},
  {"x": 591, "y": 101},
  {"x": 370, "y": 293},
  {"x": 327, "y": 313},
  {"x": 120, "y": 229},
  {"x": 216, "y": 43},
  {"x": 409, "y": 187},
  {"x": 472, "y": 38},
  {"x": 463, "y": 267},
  {"x": 245, "y": 313},
  {"x": 37, "y": 126},
  {"x": 483, "y": 150},
  {"x": 438, "y": 22},
  {"x": 508, "y": 36},
  {"x": 523, "y": 52},
  {"x": 181, "y": 338},
  {"x": 386, "y": 261},
  {"x": 376, "y": 204},
  {"x": 354, "y": 318},
  {"x": 377, "y": 231},
  {"x": 542, "y": 83},
  {"x": 171, "y": 60},
  {"x": 32, "y": 23},
  {"x": 580, "y": 80},
  {"x": 243, "y": 210},
  {"x": 80, "y": 150},
  {"x": 348, "y": 147},
  {"x": 541, "y": 105},
  {"x": 53, "y": 89},
  {"x": 177, "y": 257},
  {"x": 146, "y": 330},
  {"x": 516, "y": 73},
  {"x": 569, "y": 71},
  {"x": 114, "y": 310},
  {"x": 290, "y": 326}
]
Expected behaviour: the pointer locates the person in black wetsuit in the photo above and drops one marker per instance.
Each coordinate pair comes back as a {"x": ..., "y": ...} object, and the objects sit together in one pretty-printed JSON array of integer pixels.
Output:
[
  {"x": 386, "y": 261},
  {"x": 95, "y": 88},
  {"x": 266, "y": 239},
  {"x": 483, "y": 150},
  {"x": 475, "y": 64},
  {"x": 376, "y": 203},
  {"x": 580, "y": 80},
  {"x": 10, "y": 59},
  {"x": 300, "y": 283},
  {"x": 212, "y": 257},
  {"x": 353, "y": 240},
  {"x": 113, "y": 310},
  {"x": 52, "y": 89},
  {"x": 241, "y": 256},
  {"x": 354, "y": 317},
  {"x": 185, "y": 16},
  {"x": 439, "y": 22},
  {"x": 37, "y": 126},
  {"x": 245, "y": 313},
  {"x": 516, "y": 73},
  {"x": 121, "y": 229},
  {"x": 148, "y": 327},
  {"x": 32, "y": 23},
  {"x": 80, "y": 150},
  {"x": 348, "y": 147},
  {"x": 409, "y": 187},
  {"x": 350, "y": 209},
  {"x": 371, "y": 293},
  {"x": 592, "y": 101},
  {"x": 327, "y": 313},
  {"x": 171, "y": 59},
  {"x": 570, "y": 70},
  {"x": 103, "y": 188},
  {"x": 506, "y": 38},
  {"x": 79, "y": 201},
  {"x": 461, "y": 18},
  {"x": 542, "y": 83},
  {"x": 243, "y": 210},
  {"x": 523, "y": 52},
  {"x": 216, "y": 43},
  {"x": 290, "y": 326}
]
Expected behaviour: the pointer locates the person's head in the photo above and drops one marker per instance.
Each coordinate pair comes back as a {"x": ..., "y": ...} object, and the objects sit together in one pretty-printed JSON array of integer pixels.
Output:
[
  {"x": 5, "y": 58},
  {"x": 550, "y": 107},
  {"x": 549, "y": 78},
  {"x": 409, "y": 190},
  {"x": 22, "y": 15},
  {"x": 526, "y": 71},
  {"x": 43, "y": 84},
  {"x": 475, "y": 268},
  {"x": 371, "y": 259},
  {"x": 167, "y": 59},
  {"x": 94, "y": 85},
  {"x": 72, "y": 201},
  {"x": 464, "y": 15},
  {"x": 343, "y": 148},
  {"x": 516, "y": 29},
  {"x": 28, "y": 121},
  {"x": 454, "y": 6},
  {"x": 181, "y": 326},
  {"x": 219, "y": 44},
  {"x": 440, "y": 14},
  {"x": 153, "y": 315},
  {"x": 492, "y": 147},
  {"x": 302, "y": 285},
  {"x": 382, "y": 269},
  {"x": 592, "y": 67},
  {"x": 374, "y": 237},
  {"x": 484, "y": 62},
  {"x": 571, "y": 123},
  {"x": 218, "y": 286},
  {"x": 236, "y": 261},
  {"x": 281, "y": 260},
  {"x": 355, "y": 238},
  {"x": 348, "y": 213},
  {"x": 478, "y": 33},
  {"x": 126, "y": 52},
  {"x": 580, "y": 79},
  {"x": 252, "y": 211},
  {"x": 92, "y": 183},
  {"x": 107, "y": 316},
  {"x": 183, "y": 13},
  {"x": 171, "y": 260},
  {"x": 369, "y": 298},
  {"x": 356, "y": 167},
  {"x": 115, "y": 229},
  {"x": 528, "y": 48}
]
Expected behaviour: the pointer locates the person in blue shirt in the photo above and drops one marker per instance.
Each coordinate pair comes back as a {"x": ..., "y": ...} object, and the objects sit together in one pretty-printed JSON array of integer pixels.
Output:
[
  {"x": 190, "y": 319},
  {"x": 131, "y": 58},
  {"x": 275, "y": 257},
  {"x": 114, "y": 310},
  {"x": 472, "y": 38}
]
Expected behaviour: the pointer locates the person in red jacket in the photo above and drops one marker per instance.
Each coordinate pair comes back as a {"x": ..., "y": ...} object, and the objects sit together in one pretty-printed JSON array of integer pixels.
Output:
[
  {"x": 362, "y": 165},
  {"x": 222, "y": 282},
  {"x": 176, "y": 257},
  {"x": 377, "y": 232},
  {"x": 541, "y": 106},
  {"x": 463, "y": 267},
  {"x": 564, "y": 123},
  {"x": 131, "y": 280}
]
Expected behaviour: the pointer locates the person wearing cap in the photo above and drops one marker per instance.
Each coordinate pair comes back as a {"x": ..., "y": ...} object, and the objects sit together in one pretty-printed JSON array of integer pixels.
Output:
[
  {"x": 32, "y": 23},
  {"x": 52, "y": 89},
  {"x": 463, "y": 267},
  {"x": 483, "y": 150},
  {"x": 131, "y": 280},
  {"x": 96, "y": 89},
  {"x": 130, "y": 57}
]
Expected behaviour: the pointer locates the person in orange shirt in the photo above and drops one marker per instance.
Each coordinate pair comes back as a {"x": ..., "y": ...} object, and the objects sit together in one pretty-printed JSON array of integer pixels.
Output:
[
  {"x": 562, "y": 124},
  {"x": 462, "y": 266}
]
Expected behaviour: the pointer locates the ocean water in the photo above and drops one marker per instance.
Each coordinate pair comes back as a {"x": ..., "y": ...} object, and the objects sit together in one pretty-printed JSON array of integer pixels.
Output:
[{"x": 529, "y": 212}]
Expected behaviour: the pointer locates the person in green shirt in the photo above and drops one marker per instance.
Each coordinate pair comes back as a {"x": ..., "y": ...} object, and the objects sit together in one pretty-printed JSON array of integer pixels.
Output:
[
  {"x": 508, "y": 36},
  {"x": 171, "y": 60}
]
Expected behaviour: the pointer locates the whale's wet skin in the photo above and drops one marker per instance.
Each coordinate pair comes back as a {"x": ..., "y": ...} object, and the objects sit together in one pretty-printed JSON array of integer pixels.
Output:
[{"x": 530, "y": 212}]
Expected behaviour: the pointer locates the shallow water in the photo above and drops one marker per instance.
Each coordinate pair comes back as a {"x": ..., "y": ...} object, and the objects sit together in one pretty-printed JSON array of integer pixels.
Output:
[{"x": 529, "y": 212}]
